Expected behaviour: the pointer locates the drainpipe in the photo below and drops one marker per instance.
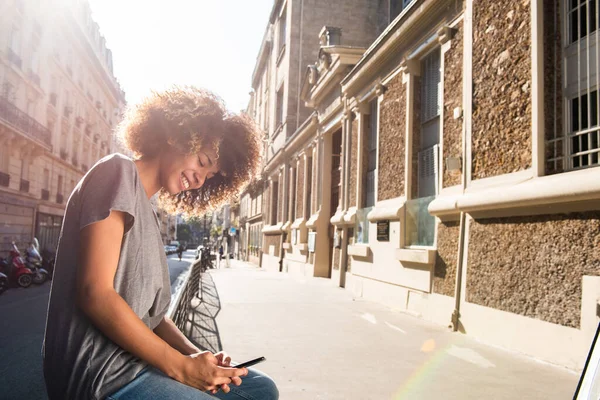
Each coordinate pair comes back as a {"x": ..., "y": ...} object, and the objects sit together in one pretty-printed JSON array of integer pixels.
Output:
[{"x": 457, "y": 290}]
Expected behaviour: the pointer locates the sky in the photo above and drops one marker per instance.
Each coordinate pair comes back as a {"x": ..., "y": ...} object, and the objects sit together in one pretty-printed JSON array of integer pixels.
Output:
[{"x": 208, "y": 43}]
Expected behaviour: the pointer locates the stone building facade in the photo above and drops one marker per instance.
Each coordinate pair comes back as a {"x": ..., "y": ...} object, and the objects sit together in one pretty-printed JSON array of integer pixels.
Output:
[
  {"x": 449, "y": 169},
  {"x": 59, "y": 103}
]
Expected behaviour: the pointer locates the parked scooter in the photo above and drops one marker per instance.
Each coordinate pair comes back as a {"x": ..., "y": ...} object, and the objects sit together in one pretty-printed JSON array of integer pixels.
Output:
[
  {"x": 33, "y": 260},
  {"x": 3, "y": 282},
  {"x": 15, "y": 269}
]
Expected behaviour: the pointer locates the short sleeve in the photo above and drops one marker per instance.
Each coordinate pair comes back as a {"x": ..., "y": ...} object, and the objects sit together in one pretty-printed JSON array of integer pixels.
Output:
[{"x": 110, "y": 185}]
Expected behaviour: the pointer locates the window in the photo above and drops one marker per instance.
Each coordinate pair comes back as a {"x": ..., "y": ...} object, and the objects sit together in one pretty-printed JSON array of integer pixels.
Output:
[
  {"x": 46, "y": 179},
  {"x": 274, "y": 202},
  {"x": 15, "y": 40},
  {"x": 59, "y": 189},
  {"x": 282, "y": 29},
  {"x": 579, "y": 144},
  {"x": 371, "y": 149},
  {"x": 25, "y": 169},
  {"x": 279, "y": 108},
  {"x": 396, "y": 7},
  {"x": 420, "y": 225},
  {"x": 293, "y": 186},
  {"x": 308, "y": 202},
  {"x": 9, "y": 92},
  {"x": 4, "y": 158}
]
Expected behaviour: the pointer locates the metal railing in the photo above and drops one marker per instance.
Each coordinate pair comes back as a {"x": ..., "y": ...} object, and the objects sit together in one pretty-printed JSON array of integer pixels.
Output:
[
  {"x": 23, "y": 122},
  {"x": 181, "y": 300}
]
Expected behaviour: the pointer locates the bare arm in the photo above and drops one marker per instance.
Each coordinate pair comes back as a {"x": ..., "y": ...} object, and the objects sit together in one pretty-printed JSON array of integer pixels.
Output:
[
  {"x": 99, "y": 255},
  {"x": 169, "y": 332}
]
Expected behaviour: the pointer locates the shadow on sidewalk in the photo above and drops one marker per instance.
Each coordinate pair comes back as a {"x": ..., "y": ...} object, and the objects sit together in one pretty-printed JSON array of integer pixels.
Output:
[{"x": 201, "y": 327}]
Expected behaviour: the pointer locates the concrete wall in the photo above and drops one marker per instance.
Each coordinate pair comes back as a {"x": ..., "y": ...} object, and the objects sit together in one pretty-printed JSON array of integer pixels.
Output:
[{"x": 501, "y": 133}]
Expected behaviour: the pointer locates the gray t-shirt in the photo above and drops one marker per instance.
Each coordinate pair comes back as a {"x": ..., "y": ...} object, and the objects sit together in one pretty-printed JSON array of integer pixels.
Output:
[{"x": 80, "y": 362}]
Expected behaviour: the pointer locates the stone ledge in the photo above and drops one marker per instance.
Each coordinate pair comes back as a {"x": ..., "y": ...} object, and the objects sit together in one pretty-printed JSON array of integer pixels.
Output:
[
  {"x": 359, "y": 250},
  {"x": 416, "y": 256},
  {"x": 312, "y": 221},
  {"x": 387, "y": 210},
  {"x": 338, "y": 218},
  {"x": 508, "y": 200},
  {"x": 299, "y": 223},
  {"x": 302, "y": 246},
  {"x": 272, "y": 229},
  {"x": 287, "y": 246}
]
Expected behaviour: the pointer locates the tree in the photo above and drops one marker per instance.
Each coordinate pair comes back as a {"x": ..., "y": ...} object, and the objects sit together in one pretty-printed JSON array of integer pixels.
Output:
[{"x": 184, "y": 233}]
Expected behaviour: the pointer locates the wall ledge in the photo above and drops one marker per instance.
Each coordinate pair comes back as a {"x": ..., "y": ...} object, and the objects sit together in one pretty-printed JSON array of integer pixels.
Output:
[
  {"x": 299, "y": 223},
  {"x": 359, "y": 250},
  {"x": 312, "y": 221},
  {"x": 417, "y": 256},
  {"x": 534, "y": 193},
  {"x": 387, "y": 210},
  {"x": 272, "y": 229},
  {"x": 338, "y": 218}
]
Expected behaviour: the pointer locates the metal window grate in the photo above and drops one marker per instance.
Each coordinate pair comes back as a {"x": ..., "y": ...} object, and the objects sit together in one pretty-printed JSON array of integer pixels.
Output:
[
  {"x": 427, "y": 170},
  {"x": 431, "y": 87},
  {"x": 579, "y": 145}
]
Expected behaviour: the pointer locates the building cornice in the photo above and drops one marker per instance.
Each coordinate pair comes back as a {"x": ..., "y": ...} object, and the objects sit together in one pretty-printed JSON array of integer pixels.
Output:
[{"x": 420, "y": 13}]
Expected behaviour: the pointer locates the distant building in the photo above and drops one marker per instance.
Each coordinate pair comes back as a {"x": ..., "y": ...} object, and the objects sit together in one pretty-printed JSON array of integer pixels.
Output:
[{"x": 59, "y": 103}]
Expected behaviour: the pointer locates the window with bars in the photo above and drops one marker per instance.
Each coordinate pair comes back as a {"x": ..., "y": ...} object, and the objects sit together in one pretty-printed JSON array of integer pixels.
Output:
[
  {"x": 430, "y": 126},
  {"x": 419, "y": 224},
  {"x": 371, "y": 149},
  {"x": 579, "y": 144}
]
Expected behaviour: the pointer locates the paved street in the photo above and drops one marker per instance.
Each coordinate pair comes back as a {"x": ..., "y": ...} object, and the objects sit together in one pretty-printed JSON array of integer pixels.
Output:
[
  {"x": 320, "y": 343},
  {"x": 22, "y": 323}
]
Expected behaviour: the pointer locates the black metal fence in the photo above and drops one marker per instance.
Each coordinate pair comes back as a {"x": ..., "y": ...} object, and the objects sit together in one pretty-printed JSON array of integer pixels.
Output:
[
  {"x": 181, "y": 304},
  {"x": 23, "y": 122}
]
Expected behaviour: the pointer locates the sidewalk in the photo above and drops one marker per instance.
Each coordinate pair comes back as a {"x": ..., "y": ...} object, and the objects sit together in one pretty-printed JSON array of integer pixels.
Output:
[{"x": 320, "y": 343}]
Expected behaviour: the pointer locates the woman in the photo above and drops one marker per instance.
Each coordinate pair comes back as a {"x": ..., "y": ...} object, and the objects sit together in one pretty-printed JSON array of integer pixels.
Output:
[{"x": 107, "y": 335}]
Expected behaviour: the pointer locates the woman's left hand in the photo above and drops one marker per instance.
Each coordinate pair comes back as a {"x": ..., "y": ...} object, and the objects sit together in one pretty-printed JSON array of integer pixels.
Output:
[{"x": 225, "y": 361}]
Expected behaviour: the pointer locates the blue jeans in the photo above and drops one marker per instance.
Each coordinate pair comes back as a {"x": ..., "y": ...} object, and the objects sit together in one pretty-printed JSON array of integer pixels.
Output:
[{"x": 153, "y": 384}]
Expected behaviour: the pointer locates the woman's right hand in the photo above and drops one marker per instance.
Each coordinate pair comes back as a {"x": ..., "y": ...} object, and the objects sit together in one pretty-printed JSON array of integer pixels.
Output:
[{"x": 202, "y": 371}]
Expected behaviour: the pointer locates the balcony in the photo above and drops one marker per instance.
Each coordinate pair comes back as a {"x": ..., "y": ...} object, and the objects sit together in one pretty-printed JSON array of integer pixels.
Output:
[
  {"x": 64, "y": 154},
  {"x": 75, "y": 161},
  {"x": 45, "y": 194},
  {"x": 14, "y": 58},
  {"x": 88, "y": 129},
  {"x": 59, "y": 198},
  {"x": 24, "y": 186},
  {"x": 23, "y": 123},
  {"x": 53, "y": 99},
  {"x": 78, "y": 122},
  {"x": 67, "y": 111},
  {"x": 4, "y": 179}
]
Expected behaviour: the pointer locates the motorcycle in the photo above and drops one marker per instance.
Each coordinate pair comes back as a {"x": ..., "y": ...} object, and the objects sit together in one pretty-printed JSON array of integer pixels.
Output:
[
  {"x": 14, "y": 268},
  {"x": 3, "y": 282},
  {"x": 33, "y": 260}
]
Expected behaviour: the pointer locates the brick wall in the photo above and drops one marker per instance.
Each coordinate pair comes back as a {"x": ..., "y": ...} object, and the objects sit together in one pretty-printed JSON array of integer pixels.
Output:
[
  {"x": 452, "y": 128},
  {"x": 392, "y": 128},
  {"x": 271, "y": 240},
  {"x": 444, "y": 274},
  {"x": 353, "y": 163},
  {"x": 501, "y": 133},
  {"x": 533, "y": 266}
]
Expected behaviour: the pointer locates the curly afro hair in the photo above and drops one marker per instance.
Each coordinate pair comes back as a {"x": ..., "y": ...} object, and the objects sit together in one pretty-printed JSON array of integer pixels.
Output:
[{"x": 188, "y": 119}]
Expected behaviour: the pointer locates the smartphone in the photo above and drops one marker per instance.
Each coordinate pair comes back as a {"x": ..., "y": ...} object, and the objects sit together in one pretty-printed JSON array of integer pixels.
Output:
[{"x": 250, "y": 363}]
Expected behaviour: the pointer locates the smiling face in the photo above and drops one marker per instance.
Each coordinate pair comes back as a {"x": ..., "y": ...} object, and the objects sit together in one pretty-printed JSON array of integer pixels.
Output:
[{"x": 181, "y": 172}]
